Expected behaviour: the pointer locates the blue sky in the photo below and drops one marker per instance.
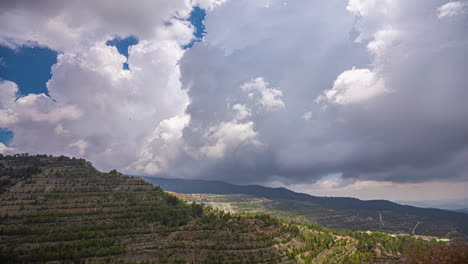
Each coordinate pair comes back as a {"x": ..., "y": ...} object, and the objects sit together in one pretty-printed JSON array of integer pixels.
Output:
[
  {"x": 29, "y": 68},
  {"x": 122, "y": 45},
  {"x": 197, "y": 16},
  {"x": 5, "y": 136}
]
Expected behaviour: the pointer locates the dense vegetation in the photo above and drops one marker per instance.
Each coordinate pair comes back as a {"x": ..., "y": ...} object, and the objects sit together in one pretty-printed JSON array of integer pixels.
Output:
[
  {"x": 62, "y": 209},
  {"x": 18, "y": 167}
]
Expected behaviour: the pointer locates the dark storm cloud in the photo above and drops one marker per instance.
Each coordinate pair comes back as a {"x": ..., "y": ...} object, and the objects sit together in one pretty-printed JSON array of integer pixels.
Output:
[{"x": 413, "y": 130}]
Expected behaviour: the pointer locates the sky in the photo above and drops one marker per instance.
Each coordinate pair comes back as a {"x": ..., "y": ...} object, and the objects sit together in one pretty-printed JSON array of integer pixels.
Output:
[{"x": 362, "y": 98}]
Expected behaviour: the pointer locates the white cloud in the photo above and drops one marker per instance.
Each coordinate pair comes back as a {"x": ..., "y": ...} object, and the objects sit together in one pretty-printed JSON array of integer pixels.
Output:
[
  {"x": 139, "y": 100},
  {"x": 6, "y": 150},
  {"x": 374, "y": 15},
  {"x": 100, "y": 111},
  {"x": 81, "y": 146},
  {"x": 451, "y": 9},
  {"x": 74, "y": 24},
  {"x": 7, "y": 117},
  {"x": 8, "y": 93},
  {"x": 32, "y": 108},
  {"x": 384, "y": 39},
  {"x": 229, "y": 135},
  {"x": 269, "y": 98},
  {"x": 368, "y": 7},
  {"x": 371, "y": 190},
  {"x": 41, "y": 108},
  {"x": 208, "y": 4},
  {"x": 354, "y": 86},
  {"x": 241, "y": 112},
  {"x": 307, "y": 116},
  {"x": 59, "y": 130},
  {"x": 162, "y": 146},
  {"x": 171, "y": 129}
]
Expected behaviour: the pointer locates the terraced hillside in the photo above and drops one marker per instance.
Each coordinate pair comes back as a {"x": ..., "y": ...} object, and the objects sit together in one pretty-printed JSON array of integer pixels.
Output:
[{"x": 62, "y": 209}]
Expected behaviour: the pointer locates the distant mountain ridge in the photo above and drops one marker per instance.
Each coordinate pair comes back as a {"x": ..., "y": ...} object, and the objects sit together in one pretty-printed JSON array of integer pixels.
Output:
[
  {"x": 187, "y": 186},
  {"x": 219, "y": 187}
]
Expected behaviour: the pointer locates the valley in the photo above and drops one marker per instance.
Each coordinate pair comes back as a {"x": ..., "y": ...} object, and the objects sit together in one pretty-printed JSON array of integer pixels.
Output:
[{"x": 331, "y": 212}]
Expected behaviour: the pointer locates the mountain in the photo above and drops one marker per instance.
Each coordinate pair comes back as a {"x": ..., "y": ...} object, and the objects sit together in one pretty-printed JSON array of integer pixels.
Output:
[
  {"x": 332, "y": 212},
  {"x": 62, "y": 210}
]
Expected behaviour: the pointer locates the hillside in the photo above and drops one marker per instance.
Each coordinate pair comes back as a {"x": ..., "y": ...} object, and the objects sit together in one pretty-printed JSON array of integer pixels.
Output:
[
  {"x": 62, "y": 209},
  {"x": 331, "y": 212}
]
